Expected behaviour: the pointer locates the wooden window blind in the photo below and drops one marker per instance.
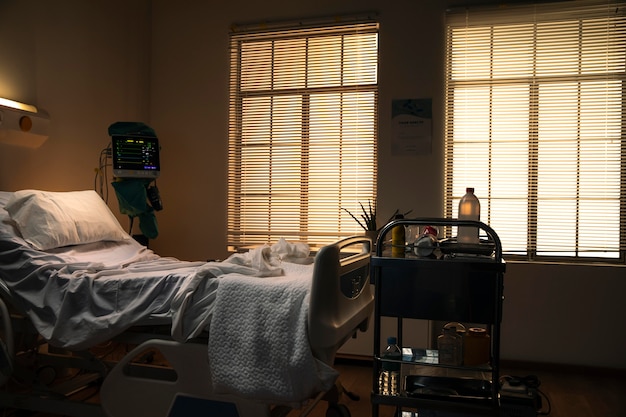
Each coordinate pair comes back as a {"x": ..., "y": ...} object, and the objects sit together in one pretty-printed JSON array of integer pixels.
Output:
[
  {"x": 535, "y": 123},
  {"x": 303, "y": 131}
]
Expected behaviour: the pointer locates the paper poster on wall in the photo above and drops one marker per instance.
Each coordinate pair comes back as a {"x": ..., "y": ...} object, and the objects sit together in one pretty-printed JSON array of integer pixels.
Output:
[{"x": 412, "y": 126}]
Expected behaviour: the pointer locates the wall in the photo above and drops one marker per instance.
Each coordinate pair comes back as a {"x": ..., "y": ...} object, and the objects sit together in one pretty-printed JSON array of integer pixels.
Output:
[
  {"x": 92, "y": 63},
  {"x": 85, "y": 63}
]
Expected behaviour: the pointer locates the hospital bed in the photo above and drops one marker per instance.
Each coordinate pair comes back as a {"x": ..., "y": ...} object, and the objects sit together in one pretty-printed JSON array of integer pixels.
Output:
[{"x": 253, "y": 335}]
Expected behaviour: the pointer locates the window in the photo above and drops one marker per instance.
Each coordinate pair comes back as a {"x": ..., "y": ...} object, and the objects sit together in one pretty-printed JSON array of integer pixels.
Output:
[
  {"x": 303, "y": 131},
  {"x": 535, "y": 123}
]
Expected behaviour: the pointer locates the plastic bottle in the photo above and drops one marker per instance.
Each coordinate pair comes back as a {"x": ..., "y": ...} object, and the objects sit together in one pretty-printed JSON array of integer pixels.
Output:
[
  {"x": 389, "y": 377},
  {"x": 398, "y": 240},
  {"x": 469, "y": 209}
]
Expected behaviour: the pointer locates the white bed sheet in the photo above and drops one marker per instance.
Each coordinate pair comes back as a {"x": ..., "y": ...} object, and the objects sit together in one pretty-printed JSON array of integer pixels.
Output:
[{"x": 76, "y": 302}]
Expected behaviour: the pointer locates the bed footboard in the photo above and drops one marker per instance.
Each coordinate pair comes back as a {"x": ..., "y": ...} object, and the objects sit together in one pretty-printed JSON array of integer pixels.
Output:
[{"x": 341, "y": 301}]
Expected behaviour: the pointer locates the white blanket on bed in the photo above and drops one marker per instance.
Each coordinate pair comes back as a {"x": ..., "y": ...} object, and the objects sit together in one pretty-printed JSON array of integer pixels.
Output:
[
  {"x": 258, "y": 340},
  {"x": 193, "y": 306}
]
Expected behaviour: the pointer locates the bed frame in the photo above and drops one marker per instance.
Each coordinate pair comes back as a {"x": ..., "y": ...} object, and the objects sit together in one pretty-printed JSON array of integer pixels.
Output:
[{"x": 161, "y": 377}]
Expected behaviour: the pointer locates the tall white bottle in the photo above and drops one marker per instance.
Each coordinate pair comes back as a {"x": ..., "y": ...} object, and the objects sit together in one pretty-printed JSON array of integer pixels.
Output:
[{"x": 469, "y": 209}]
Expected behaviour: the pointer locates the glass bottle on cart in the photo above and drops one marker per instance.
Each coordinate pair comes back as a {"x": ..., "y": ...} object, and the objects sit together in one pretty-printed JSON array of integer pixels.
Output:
[{"x": 389, "y": 377}]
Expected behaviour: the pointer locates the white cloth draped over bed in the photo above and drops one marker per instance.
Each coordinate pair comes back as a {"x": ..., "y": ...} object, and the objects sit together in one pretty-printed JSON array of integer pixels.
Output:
[
  {"x": 75, "y": 303},
  {"x": 258, "y": 340},
  {"x": 256, "y": 304}
]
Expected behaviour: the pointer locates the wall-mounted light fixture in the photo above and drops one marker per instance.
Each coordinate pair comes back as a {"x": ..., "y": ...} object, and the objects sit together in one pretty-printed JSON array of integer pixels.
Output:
[{"x": 22, "y": 124}]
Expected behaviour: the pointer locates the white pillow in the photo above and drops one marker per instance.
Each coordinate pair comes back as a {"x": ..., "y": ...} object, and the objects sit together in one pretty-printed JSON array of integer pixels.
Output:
[{"x": 48, "y": 220}]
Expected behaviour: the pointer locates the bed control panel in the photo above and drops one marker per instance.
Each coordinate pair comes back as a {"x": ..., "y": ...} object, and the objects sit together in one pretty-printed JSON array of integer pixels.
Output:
[{"x": 353, "y": 282}]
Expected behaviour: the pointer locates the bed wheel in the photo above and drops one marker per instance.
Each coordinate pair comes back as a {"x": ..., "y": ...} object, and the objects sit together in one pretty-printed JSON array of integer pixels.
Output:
[{"x": 337, "y": 410}]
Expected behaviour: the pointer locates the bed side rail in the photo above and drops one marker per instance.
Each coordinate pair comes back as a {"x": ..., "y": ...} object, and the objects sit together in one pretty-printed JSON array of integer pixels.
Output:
[{"x": 128, "y": 392}]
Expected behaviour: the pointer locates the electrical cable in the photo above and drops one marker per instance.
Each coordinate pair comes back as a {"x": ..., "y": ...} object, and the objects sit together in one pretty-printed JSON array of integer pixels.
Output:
[
  {"x": 101, "y": 178},
  {"x": 549, "y": 405}
]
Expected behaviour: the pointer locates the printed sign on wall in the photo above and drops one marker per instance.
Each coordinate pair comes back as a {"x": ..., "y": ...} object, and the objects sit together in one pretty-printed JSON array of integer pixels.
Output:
[{"x": 412, "y": 126}]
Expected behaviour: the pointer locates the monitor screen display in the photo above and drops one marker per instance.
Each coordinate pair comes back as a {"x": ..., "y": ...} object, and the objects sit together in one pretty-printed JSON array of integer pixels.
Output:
[{"x": 135, "y": 156}]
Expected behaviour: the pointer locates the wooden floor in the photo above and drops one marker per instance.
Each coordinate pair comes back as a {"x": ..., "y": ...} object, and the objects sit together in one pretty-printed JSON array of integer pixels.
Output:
[
  {"x": 570, "y": 393},
  {"x": 566, "y": 392}
]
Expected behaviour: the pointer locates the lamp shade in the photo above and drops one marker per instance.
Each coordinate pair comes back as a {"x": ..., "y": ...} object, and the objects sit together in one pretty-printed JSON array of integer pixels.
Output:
[{"x": 22, "y": 124}]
